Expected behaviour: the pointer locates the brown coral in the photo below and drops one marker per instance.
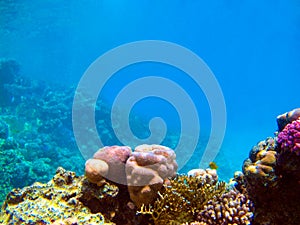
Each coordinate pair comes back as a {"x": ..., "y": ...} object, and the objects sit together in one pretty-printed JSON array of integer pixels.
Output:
[
  {"x": 286, "y": 118},
  {"x": 259, "y": 168},
  {"x": 147, "y": 170},
  {"x": 231, "y": 208}
]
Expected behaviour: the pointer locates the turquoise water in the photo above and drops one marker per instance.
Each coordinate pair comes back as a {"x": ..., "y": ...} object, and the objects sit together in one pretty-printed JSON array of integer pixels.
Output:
[{"x": 252, "y": 48}]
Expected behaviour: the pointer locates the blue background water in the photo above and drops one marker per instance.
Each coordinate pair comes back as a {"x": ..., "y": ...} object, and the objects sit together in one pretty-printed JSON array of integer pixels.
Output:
[{"x": 252, "y": 47}]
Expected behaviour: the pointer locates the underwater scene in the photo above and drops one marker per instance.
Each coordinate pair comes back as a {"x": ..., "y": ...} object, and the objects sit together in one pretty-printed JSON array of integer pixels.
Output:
[{"x": 149, "y": 112}]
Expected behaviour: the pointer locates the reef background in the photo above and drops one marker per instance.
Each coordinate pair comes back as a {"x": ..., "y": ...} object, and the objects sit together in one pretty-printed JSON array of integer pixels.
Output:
[{"x": 252, "y": 48}]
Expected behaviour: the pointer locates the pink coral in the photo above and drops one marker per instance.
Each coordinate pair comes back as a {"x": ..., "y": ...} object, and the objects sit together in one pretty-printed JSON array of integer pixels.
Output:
[
  {"x": 144, "y": 171},
  {"x": 147, "y": 170},
  {"x": 96, "y": 170},
  {"x": 289, "y": 138},
  {"x": 108, "y": 162}
]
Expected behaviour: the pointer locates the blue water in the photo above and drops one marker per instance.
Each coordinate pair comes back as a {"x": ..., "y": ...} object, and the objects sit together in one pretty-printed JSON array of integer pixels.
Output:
[{"x": 252, "y": 47}]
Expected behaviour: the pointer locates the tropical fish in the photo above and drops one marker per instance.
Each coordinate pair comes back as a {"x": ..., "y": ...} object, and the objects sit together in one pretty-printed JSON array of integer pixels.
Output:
[{"x": 213, "y": 165}]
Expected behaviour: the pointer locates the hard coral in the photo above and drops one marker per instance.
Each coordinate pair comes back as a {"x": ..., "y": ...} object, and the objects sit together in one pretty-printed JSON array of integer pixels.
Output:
[
  {"x": 181, "y": 200},
  {"x": 259, "y": 168},
  {"x": 147, "y": 170},
  {"x": 289, "y": 150},
  {"x": 289, "y": 138},
  {"x": 108, "y": 162},
  {"x": 143, "y": 171},
  {"x": 272, "y": 175},
  {"x": 208, "y": 175},
  {"x": 286, "y": 118},
  {"x": 96, "y": 170},
  {"x": 230, "y": 208},
  {"x": 46, "y": 203}
]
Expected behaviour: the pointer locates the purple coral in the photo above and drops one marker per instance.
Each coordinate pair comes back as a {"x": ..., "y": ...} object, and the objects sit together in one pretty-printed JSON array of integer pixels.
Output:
[{"x": 289, "y": 138}]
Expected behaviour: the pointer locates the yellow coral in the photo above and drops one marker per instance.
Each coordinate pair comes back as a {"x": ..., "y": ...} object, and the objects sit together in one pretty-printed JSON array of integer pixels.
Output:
[
  {"x": 182, "y": 199},
  {"x": 45, "y": 203},
  {"x": 251, "y": 169}
]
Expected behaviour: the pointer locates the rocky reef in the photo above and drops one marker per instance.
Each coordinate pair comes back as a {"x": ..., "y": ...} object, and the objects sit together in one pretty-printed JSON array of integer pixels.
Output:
[
  {"x": 59, "y": 199},
  {"x": 36, "y": 134},
  {"x": 271, "y": 174},
  {"x": 266, "y": 192},
  {"x": 123, "y": 186},
  {"x": 166, "y": 197}
]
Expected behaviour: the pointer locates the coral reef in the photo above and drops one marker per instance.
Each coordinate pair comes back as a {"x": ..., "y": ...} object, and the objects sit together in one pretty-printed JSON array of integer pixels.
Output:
[
  {"x": 230, "y": 208},
  {"x": 70, "y": 199},
  {"x": 286, "y": 118},
  {"x": 144, "y": 171},
  {"x": 125, "y": 187},
  {"x": 182, "y": 199},
  {"x": 289, "y": 138},
  {"x": 96, "y": 170},
  {"x": 9, "y": 70},
  {"x": 289, "y": 150},
  {"x": 271, "y": 175},
  {"x": 28, "y": 151},
  {"x": 147, "y": 169},
  {"x": 115, "y": 158},
  {"x": 3, "y": 130},
  {"x": 208, "y": 175},
  {"x": 46, "y": 203},
  {"x": 259, "y": 168},
  {"x": 40, "y": 133}
]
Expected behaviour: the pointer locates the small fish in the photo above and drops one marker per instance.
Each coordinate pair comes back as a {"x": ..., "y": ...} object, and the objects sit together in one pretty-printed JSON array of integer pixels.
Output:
[{"x": 213, "y": 165}]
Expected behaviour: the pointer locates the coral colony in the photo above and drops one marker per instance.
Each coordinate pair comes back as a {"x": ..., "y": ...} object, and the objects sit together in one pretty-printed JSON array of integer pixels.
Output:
[{"x": 130, "y": 187}]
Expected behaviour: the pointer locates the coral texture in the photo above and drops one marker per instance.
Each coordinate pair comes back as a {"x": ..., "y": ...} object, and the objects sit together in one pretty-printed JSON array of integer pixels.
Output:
[
  {"x": 96, "y": 171},
  {"x": 272, "y": 174},
  {"x": 181, "y": 200},
  {"x": 289, "y": 138},
  {"x": 208, "y": 175},
  {"x": 286, "y": 118},
  {"x": 230, "y": 208},
  {"x": 46, "y": 203},
  {"x": 259, "y": 168},
  {"x": 289, "y": 150},
  {"x": 144, "y": 171},
  {"x": 147, "y": 170},
  {"x": 108, "y": 162}
]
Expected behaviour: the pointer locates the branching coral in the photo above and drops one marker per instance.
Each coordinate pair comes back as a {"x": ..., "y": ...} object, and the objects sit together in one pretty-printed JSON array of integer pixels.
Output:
[{"x": 182, "y": 199}]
